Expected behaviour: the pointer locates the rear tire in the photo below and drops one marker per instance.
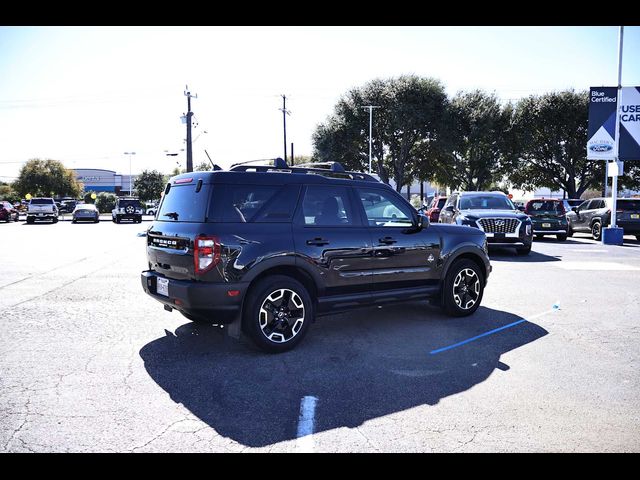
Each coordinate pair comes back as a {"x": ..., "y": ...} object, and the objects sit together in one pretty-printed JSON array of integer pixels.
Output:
[
  {"x": 569, "y": 231},
  {"x": 278, "y": 312},
  {"x": 562, "y": 237},
  {"x": 596, "y": 231},
  {"x": 462, "y": 289},
  {"x": 539, "y": 237},
  {"x": 55, "y": 220},
  {"x": 638, "y": 237},
  {"x": 30, "y": 220}
]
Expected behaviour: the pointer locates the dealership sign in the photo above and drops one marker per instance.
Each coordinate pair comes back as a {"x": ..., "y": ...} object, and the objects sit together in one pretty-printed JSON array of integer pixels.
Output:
[
  {"x": 630, "y": 123},
  {"x": 602, "y": 123}
]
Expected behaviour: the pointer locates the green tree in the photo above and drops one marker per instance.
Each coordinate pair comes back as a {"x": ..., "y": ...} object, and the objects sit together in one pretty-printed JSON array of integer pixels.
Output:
[
  {"x": 105, "y": 202},
  {"x": 7, "y": 193},
  {"x": 203, "y": 167},
  {"x": 477, "y": 149},
  {"x": 408, "y": 121},
  {"x": 149, "y": 185},
  {"x": 552, "y": 132},
  {"x": 47, "y": 178}
]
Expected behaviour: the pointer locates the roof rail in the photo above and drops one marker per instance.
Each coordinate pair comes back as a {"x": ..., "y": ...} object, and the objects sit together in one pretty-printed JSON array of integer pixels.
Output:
[
  {"x": 277, "y": 162},
  {"x": 334, "y": 170},
  {"x": 333, "y": 166}
]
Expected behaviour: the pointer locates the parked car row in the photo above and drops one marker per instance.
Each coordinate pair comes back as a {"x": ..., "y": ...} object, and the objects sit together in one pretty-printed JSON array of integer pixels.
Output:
[{"x": 47, "y": 209}]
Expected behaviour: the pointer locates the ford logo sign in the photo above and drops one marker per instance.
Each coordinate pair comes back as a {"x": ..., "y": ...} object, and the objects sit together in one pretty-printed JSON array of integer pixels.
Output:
[{"x": 601, "y": 147}]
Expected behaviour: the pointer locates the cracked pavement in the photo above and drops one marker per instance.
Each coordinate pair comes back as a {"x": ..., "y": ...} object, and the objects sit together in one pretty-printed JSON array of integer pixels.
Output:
[{"x": 88, "y": 363}]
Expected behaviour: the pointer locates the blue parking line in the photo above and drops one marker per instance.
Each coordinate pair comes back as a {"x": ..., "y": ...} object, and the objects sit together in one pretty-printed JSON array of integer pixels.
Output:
[{"x": 443, "y": 349}]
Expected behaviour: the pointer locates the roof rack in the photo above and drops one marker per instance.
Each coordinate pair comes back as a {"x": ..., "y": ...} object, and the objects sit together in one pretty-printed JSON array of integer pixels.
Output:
[{"x": 325, "y": 169}]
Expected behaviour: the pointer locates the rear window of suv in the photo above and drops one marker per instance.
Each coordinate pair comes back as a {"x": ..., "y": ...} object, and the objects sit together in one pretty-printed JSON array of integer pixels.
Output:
[
  {"x": 545, "y": 206},
  {"x": 41, "y": 201},
  {"x": 184, "y": 203},
  {"x": 628, "y": 205}
]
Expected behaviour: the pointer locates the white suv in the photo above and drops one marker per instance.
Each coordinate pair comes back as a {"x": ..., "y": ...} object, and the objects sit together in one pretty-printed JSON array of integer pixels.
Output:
[{"x": 127, "y": 208}]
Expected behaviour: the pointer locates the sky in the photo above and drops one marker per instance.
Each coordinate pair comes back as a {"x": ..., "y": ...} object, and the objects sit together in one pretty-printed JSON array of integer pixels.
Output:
[{"x": 86, "y": 95}]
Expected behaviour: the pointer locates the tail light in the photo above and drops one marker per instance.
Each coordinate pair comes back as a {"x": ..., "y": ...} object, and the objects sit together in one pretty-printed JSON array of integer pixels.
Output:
[
  {"x": 434, "y": 213},
  {"x": 206, "y": 253}
]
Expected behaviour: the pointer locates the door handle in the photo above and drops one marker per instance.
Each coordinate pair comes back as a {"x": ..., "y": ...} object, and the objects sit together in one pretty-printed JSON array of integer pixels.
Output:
[
  {"x": 318, "y": 241},
  {"x": 387, "y": 240}
]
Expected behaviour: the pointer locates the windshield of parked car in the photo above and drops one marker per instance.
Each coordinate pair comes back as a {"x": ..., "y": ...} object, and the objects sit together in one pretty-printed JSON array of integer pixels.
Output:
[{"x": 485, "y": 202}]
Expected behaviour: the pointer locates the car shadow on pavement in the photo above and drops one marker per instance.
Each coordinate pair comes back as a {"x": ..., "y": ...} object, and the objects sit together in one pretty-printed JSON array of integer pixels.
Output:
[
  {"x": 359, "y": 366},
  {"x": 509, "y": 255}
]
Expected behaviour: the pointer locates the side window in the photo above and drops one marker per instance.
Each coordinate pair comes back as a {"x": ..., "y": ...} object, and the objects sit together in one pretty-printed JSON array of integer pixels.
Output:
[
  {"x": 584, "y": 205},
  {"x": 281, "y": 207},
  {"x": 241, "y": 203},
  {"x": 327, "y": 205},
  {"x": 383, "y": 209},
  {"x": 451, "y": 201}
]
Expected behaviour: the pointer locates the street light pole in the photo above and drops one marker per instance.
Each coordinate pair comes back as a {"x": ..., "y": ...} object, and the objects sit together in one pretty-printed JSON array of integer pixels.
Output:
[
  {"x": 130, "y": 153},
  {"x": 370, "y": 107}
]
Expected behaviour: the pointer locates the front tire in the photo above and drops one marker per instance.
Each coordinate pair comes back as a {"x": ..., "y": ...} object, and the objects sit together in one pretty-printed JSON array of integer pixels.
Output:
[
  {"x": 277, "y": 313},
  {"x": 570, "y": 231},
  {"x": 524, "y": 250},
  {"x": 561, "y": 236},
  {"x": 596, "y": 231},
  {"x": 463, "y": 289}
]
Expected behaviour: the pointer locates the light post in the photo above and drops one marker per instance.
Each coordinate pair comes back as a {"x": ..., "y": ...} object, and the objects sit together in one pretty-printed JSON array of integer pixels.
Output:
[
  {"x": 130, "y": 153},
  {"x": 370, "y": 107}
]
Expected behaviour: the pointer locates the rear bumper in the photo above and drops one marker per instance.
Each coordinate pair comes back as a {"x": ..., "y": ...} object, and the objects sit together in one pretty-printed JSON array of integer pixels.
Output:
[
  {"x": 550, "y": 232},
  {"x": 209, "y": 301},
  {"x": 630, "y": 228}
]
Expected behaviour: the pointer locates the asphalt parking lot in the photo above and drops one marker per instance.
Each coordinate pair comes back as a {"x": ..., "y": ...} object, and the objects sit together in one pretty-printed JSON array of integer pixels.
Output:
[{"x": 91, "y": 364}]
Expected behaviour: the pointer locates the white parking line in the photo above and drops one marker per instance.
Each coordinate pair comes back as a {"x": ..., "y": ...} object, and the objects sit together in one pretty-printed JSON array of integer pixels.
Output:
[
  {"x": 306, "y": 421},
  {"x": 595, "y": 266},
  {"x": 587, "y": 250}
]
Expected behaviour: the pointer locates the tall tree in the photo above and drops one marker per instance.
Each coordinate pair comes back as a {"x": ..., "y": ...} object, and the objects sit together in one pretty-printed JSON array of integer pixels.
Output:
[
  {"x": 203, "y": 167},
  {"x": 477, "y": 146},
  {"x": 410, "y": 115},
  {"x": 47, "y": 178},
  {"x": 552, "y": 131},
  {"x": 149, "y": 185}
]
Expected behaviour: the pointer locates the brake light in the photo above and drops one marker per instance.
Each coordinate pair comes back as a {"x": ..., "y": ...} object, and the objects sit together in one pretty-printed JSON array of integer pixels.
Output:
[
  {"x": 183, "y": 180},
  {"x": 206, "y": 253}
]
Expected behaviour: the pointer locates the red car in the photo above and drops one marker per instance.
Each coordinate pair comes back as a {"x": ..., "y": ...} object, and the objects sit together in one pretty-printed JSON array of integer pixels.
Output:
[
  {"x": 433, "y": 210},
  {"x": 7, "y": 212}
]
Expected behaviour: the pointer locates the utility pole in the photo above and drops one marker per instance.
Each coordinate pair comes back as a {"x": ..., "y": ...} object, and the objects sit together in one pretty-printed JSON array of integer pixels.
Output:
[
  {"x": 187, "y": 94},
  {"x": 370, "y": 107},
  {"x": 292, "y": 157},
  {"x": 285, "y": 112},
  {"x": 614, "y": 179}
]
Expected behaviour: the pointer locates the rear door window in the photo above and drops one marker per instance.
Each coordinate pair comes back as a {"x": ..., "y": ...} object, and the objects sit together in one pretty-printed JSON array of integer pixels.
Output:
[
  {"x": 327, "y": 206},
  {"x": 183, "y": 203}
]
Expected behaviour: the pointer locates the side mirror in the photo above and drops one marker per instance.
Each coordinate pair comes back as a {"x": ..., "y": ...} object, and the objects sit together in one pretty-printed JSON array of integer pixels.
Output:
[
  {"x": 575, "y": 209},
  {"x": 520, "y": 207},
  {"x": 422, "y": 221}
]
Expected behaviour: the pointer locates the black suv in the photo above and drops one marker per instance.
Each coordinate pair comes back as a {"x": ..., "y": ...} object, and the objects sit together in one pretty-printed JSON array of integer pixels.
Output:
[
  {"x": 268, "y": 248},
  {"x": 494, "y": 214},
  {"x": 127, "y": 208},
  {"x": 592, "y": 215}
]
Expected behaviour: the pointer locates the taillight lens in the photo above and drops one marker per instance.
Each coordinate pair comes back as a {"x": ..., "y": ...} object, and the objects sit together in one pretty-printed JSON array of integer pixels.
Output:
[{"x": 206, "y": 253}]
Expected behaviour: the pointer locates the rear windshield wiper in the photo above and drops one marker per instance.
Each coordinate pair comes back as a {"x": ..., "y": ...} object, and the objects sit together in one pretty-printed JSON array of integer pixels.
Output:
[{"x": 173, "y": 215}]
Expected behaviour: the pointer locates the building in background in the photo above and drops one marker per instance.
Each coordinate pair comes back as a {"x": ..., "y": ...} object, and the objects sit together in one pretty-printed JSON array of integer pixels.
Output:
[{"x": 98, "y": 180}]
